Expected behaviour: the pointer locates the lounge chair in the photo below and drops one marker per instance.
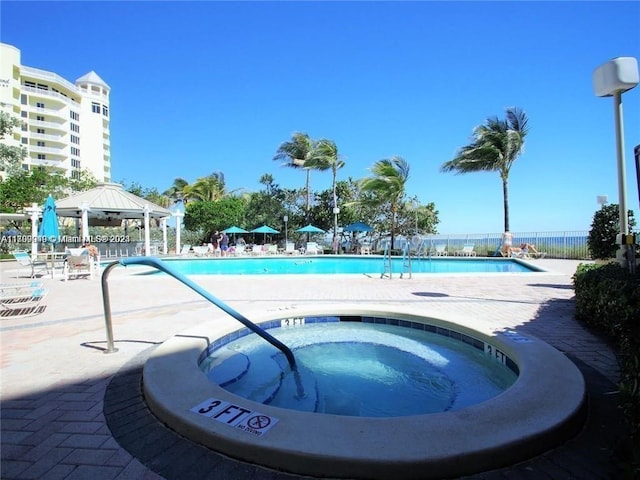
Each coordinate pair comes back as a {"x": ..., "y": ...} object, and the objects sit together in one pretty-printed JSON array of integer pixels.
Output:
[
  {"x": 290, "y": 249},
  {"x": 272, "y": 249},
  {"x": 185, "y": 249},
  {"x": 33, "y": 266},
  {"x": 365, "y": 249},
  {"x": 441, "y": 250},
  {"x": 467, "y": 251},
  {"x": 21, "y": 299},
  {"x": 239, "y": 250},
  {"x": 200, "y": 250},
  {"x": 78, "y": 266},
  {"x": 312, "y": 248}
]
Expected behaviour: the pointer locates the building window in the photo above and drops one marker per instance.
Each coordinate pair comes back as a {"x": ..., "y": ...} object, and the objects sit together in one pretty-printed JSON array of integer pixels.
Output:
[
  {"x": 75, "y": 139},
  {"x": 74, "y": 115},
  {"x": 40, "y": 130},
  {"x": 43, "y": 87},
  {"x": 40, "y": 105},
  {"x": 30, "y": 84},
  {"x": 105, "y": 110},
  {"x": 23, "y": 99},
  {"x": 23, "y": 114},
  {"x": 24, "y": 127},
  {"x": 75, "y": 152},
  {"x": 75, "y": 127},
  {"x": 42, "y": 156},
  {"x": 40, "y": 143},
  {"x": 95, "y": 107},
  {"x": 24, "y": 140},
  {"x": 40, "y": 118}
]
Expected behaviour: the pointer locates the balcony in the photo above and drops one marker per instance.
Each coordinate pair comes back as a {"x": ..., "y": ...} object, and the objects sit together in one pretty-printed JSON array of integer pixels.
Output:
[
  {"x": 46, "y": 111},
  {"x": 44, "y": 136},
  {"x": 49, "y": 93},
  {"x": 50, "y": 150},
  {"x": 43, "y": 124}
]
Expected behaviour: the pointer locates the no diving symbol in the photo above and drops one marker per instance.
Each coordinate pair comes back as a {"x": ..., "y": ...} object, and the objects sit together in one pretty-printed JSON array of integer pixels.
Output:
[{"x": 259, "y": 422}]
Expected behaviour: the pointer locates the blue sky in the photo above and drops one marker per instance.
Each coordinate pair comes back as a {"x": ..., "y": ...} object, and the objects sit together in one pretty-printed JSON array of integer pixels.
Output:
[{"x": 198, "y": 87}]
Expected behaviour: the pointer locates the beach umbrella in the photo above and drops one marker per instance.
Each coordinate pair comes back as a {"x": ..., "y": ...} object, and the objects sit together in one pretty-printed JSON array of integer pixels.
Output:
[
  {"x": 49, "y": 231},
  {"x": 358, "y": 227},
  {"x": 310, "y": 229},
  {"x": 235, "y": 230},
  {"x": 265, "y": 229}
]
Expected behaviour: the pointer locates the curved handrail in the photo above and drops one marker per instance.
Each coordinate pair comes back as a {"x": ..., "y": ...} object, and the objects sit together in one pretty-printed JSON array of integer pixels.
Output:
[{"x": 160, "y": 265}]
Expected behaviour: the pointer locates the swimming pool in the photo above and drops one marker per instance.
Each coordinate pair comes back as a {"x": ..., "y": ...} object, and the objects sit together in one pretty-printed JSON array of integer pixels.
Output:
[{"x": 343, "y": 264}]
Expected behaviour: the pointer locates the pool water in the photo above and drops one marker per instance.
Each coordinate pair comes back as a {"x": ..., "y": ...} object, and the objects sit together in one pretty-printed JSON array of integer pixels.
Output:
[
  {"x": 359, "y": 369},
  {"x": 342, "y": 265}
]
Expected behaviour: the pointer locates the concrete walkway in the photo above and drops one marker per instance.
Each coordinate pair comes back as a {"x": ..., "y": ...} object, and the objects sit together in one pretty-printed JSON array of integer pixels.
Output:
[{"x": 56, "y": 423}]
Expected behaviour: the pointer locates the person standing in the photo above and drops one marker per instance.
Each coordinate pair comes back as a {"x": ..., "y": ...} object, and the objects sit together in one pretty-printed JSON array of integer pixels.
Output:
[{"x": 224, "y": 243}]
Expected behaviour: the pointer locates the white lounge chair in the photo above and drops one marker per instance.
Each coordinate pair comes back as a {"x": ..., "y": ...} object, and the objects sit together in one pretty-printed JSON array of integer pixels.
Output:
[
  {"x": 312, "y": 248},
  {"x": 21, "y": 299},
  {"x": 290, "y": 249},
  {"x": 200, "y": 250},
  {"x": 185, "y": 249},
  {"x": 441, "y": 250},
  {"x": 467, "y": 251},
  {"x": 33, "y": 266}
]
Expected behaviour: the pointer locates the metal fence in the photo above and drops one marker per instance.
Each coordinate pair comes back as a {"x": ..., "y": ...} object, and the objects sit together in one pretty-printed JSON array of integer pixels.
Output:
[{"x": 563, "y": 245}]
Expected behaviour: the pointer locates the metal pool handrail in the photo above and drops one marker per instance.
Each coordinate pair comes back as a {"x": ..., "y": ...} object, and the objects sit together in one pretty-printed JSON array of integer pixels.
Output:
[{"x": 160, "y": 265}]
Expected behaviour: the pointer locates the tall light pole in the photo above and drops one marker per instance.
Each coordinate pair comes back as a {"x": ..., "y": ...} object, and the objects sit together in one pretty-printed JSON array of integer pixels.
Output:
[
  {"x": 613, "y": 79},
  {"x": 336, "y": 211},
  {"x": 286, "y": 238}
]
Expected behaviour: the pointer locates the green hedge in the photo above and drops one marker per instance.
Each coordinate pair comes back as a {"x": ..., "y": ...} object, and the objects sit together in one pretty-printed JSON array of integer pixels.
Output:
[{"x": 608, "y": 299}]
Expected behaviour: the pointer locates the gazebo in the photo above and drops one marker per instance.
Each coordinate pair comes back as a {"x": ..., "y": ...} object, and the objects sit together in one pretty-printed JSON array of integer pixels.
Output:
[{"x": 108, "y": 204}]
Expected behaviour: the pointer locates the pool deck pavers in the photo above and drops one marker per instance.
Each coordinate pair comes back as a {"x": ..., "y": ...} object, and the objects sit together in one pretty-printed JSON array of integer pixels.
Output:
[{"x": 70, "y": 411}]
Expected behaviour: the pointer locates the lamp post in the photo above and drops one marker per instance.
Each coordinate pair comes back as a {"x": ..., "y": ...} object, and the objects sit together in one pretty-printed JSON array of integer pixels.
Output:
[
  {"x": 336, "y": 211},
  {"x": 613, "y": 78},
  {"x": 286, "y": 238}
]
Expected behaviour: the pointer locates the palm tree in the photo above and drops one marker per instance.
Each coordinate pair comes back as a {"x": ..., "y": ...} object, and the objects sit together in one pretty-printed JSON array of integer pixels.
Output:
[
  {"x": 494, "y": 147},
  {"x": 388, "y": 183},
  {"x": 296, "y": 153},
  {"x": 209, "y": 188},
  {"x": 176, "y": 191},
  {"x": 324, "y": 157}
]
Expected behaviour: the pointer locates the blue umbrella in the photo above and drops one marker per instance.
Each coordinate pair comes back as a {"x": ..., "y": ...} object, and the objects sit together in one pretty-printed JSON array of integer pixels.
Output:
[
  {"x": 310, "y": 229},
  {"x": 358, "y": 227},
  {"x": 48, "y": 230},
  {"x": 235, "y": 229},
  {"x": 264, "y": 229}
]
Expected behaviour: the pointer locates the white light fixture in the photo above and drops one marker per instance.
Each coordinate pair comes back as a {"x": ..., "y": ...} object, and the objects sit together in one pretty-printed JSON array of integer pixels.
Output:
[{"x": 613, "y": 79}]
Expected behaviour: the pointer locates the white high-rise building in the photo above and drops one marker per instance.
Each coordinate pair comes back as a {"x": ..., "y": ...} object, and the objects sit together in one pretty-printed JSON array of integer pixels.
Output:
[{"x": 65, "y": 125}]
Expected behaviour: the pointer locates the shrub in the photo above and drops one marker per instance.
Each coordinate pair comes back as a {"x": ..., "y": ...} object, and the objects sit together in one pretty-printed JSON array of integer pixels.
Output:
[
  {"x": 604, "y": 228},
  {"x": 608, "y": 299}
]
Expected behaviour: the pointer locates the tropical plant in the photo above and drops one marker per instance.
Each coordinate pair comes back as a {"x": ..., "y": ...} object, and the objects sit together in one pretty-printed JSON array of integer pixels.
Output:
[
  {"x": 388, "y": 185},
  {"x": 10, "y": 157},
  {"x": 209, "y": 188},
  {"x": 176, "y": 192},
  {"x": 494, "y": 147},
  {"x": 325, "y": 157},
  {"x": 605, "y": 226},
  {"x": 296, "y": 153}
]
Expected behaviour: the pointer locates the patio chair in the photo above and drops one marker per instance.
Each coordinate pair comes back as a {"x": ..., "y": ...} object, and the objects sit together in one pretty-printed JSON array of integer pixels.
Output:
[
  {"x": 78, "y": 266},
  {"x": 21, "y": 299},
  {"x": 441, "y": 250},
  {"x": 312, "y": 248},
  {"x": 33, "y": 266},
  {"x": 201, "y": 250},
  {"x": 290, "y": 249},
  {"x": 185, "y": 249},
  {"x": 467, "y": 251}
]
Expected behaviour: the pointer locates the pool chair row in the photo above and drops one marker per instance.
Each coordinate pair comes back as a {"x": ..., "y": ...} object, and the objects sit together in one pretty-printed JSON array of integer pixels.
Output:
[{"x": 21, "y": 299}]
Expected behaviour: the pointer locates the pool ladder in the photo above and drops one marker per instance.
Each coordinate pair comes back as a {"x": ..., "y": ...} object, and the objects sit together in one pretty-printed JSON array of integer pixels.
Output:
[
  {"x": 162, "y": 266},
  {"x": 387, "y": 266}
]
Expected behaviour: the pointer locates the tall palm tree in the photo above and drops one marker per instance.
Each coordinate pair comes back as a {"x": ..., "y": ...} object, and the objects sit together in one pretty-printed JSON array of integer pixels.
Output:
[
  {"x": 388, "y": 183},
  {"x": 209, "y": 188},
  {"x": 494, "y": 147},
  {"x": 296, "y": 153},
  {"x": 176, "y": 191},
  {"x": 325, "y": 157}
]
